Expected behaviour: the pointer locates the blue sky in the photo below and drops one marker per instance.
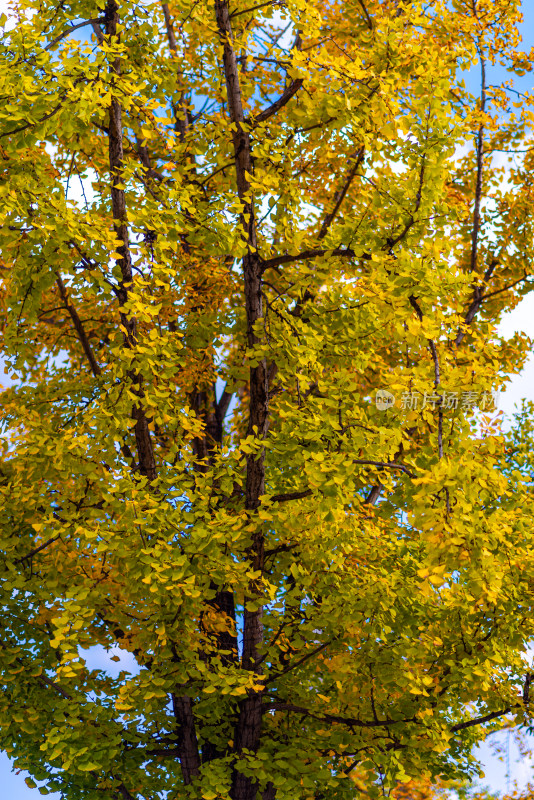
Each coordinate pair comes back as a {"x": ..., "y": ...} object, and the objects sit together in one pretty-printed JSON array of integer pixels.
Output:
[{"x": 521, "y": 319}]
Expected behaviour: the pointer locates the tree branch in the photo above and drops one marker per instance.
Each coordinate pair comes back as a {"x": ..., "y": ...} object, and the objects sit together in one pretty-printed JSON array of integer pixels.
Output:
[
  {"x": 68, "y": 31},
  {"x": 300, "y": 661},
  {"x": 480, "y": 720},
  {"x": 291, "y": 90},
  {"x": 82, "y": 336},
  {"x": 36, "y": 550},
  {"x": 147, "y": 464},
  {"x": 351, "y": 722},
  {"x": 283, "y": 498},
  {"x": 342, "y": 252},
  {"x": 340, "y": 196}
]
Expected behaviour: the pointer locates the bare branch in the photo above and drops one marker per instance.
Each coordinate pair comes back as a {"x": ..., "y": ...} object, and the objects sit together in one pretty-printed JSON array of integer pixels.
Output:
[
  {"x": 283, "y": 498},
  {"x": 342, "y": 252},
  {"x": 384, "y": 465},
  {"x": 340, "y": 196},
  {"x": 374, "y": 494},
  {"x": 36, "y": 550},
  {"x": 235, "y": 14},
  {"x": 32, "y": 124},
  {"x": 480, "y": 720},
  {"x": 68, "y": 31},
  {"x": 352, "y": 722},
  {"x": 366, "y": 14},
  {"x": 291, "y": 90},
  {"x": 80, "y": 330},
  {"x": 223, "y": 404},
  {"x": 170, "y": 30},
  {"x": 125, "y": 793},
  {"x": 97, "y": 30},
  {"x": 300, "y": 661},
  {"x": 392, "y": 242}
]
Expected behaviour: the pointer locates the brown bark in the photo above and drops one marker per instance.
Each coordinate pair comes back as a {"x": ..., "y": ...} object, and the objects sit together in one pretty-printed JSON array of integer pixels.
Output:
[
  {"x": 269, "y": 793},
  {"x": 204, "y": 404},
  {"x": 188, "y": 751},
  {"x": 78, "y": 325},
  {"x": 182, "y": 706},
  {"x": 145, "y": 451},
  {"x": 248, "y": 727}
]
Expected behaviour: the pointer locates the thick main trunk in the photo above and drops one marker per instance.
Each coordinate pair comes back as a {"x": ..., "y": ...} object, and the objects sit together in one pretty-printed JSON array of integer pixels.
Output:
[
  {"x": 187, "y": 740},
  {"x": 248, "y": 726}
]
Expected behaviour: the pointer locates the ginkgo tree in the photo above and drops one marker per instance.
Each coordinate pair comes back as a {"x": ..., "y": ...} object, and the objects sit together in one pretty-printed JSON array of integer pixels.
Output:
[{"x": 252, "y": 260}]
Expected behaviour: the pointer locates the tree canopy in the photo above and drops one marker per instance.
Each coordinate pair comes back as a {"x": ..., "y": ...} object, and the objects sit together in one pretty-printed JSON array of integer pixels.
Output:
[{"x": 252, "y": 260}]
